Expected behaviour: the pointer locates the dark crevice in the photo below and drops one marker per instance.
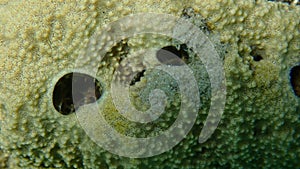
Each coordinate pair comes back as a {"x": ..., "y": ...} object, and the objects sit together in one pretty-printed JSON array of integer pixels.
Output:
[
  {"x": 188, "y": 12},
  {"x": 74, "y": 90},
  {"x": 137, "y": 77},
  {"x": 295, "y": 79}
]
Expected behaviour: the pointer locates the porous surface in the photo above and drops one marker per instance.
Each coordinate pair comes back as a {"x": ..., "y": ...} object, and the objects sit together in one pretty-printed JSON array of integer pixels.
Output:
[{"x": 41, "y": 40}]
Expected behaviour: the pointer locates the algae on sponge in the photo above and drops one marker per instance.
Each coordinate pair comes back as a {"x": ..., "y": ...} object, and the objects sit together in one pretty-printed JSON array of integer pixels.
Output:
[{"x": 40, "y": 41}]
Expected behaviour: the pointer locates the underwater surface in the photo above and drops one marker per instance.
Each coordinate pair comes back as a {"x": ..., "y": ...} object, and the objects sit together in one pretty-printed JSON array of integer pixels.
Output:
[{"x": 149, "y": 84}]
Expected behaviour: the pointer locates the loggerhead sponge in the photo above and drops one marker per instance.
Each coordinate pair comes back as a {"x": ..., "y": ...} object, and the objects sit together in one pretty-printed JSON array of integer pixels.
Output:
[{"x": 41, "y": 40}]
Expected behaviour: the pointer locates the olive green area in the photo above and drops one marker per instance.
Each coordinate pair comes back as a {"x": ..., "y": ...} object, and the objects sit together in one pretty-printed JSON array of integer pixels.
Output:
[{"x": 258, "y": 40}]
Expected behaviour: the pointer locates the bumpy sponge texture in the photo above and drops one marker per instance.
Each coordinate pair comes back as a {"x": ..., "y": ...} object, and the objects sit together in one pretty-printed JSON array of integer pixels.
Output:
[{"x": 40, "y": 41}]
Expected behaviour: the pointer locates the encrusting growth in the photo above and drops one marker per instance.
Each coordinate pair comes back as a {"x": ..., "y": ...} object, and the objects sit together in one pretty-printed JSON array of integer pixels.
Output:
[{"x": 41, "y": 40}]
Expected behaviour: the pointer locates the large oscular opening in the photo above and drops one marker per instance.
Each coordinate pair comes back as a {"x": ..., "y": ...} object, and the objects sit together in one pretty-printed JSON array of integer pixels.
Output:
[
  {"x": 295, "y": 79},
  {"x": 74, "y": 90}
]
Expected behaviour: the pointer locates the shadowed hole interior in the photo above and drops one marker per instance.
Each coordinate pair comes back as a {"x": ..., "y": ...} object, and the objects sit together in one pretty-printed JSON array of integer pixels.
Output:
[
  {"x": 256, "y": 53},
  {"x": 295, "y": 79},
  {"x": 74, "y": 90},
  {"x": 172, "y": 56}
]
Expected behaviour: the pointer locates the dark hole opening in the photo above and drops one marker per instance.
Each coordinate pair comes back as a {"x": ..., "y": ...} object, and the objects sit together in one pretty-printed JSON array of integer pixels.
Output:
[
  {"x": 285, "y": 1},
  {"x": 257, "y": 58},
  {"x": 74, "y": 90},
  {"x": 295, "y": 79},
  {"x": 170, "y": 55},
  {"x": 255, "y": 53}
]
